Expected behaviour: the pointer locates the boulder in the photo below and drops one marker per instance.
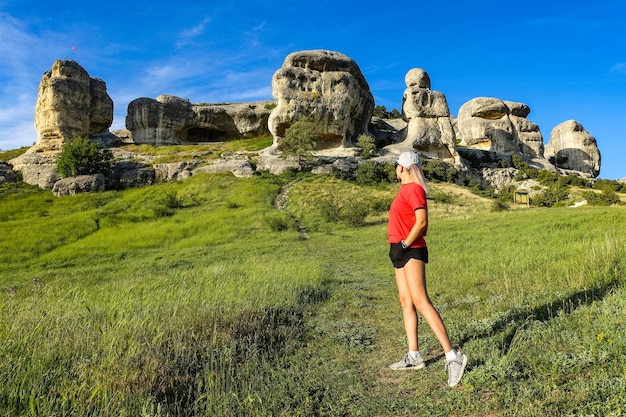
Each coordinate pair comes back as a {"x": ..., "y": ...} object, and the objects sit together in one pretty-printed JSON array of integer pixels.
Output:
[
  {"x": 170, "y": 120},
  {"x": 175, "y": 170},
  {"x": 160, "y": 121},
  {"x": 6, "y": 173},
  {"x": 327, "y": 87},
  {"x": 498, "y": 178},
  {"x": 500, "y": 126},
  {"x": 79, "y": 184},
  {"x": 37, "y": 168},
  {"x": 271, "y": 161},
  {"x": 572, "y": 147},
  {"x": 240, "y": 167},
  {"x": 130, "y": 174},
  {"x": 429, "y": 129}
]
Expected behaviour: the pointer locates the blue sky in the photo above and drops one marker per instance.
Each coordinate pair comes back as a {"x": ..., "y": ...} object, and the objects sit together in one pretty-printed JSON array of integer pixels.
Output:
[{"x": 565, "y": 59}]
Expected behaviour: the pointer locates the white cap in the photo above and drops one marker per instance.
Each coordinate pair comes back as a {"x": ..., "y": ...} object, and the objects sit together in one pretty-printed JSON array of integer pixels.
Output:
[{"x": 407, "y": 159}]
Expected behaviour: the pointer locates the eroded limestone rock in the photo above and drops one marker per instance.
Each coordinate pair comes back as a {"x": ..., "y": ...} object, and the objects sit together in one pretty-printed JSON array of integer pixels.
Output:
[
  {"x": 170, "y": 120},
  {"x": 429, "y": 129},
  {"x": 70, "y": 104},
  {"x": 491, "y": 124},
  {"x": 572, "y": 147},
  {"x": 327, "y": 87},
  {"x": 79, "y": 184}
]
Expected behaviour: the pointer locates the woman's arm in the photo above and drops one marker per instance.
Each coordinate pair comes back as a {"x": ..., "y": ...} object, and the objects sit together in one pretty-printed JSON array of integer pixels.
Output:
[{"x": 421, "y": 221}]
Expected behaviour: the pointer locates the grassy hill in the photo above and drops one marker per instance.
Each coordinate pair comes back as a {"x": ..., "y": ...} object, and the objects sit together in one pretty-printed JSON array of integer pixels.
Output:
[{"x": 201, "y": 298}]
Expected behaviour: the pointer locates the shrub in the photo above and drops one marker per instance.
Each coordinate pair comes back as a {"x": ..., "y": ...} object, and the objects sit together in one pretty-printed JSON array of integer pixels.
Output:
[
  {"x": 299, "y": 139},
  {"x": 83, "y": 157},
  {"x": 381, "y": 111},
  {"x": 437, "y": 170},
  {"x": 281, "y": 222},
  {"x": 551, "y": 196},
  {"x": 606, "y": 185},
  {"x": 172, "y": 201},
  {"x": 370, "y": 173},
  {"x": 607, "y": 197},
  {"x": 367, "y": 145}
]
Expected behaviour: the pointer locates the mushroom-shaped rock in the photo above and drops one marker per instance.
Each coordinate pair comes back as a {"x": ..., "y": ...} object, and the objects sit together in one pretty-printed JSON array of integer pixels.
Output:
[{"x": 491, "y": 124}]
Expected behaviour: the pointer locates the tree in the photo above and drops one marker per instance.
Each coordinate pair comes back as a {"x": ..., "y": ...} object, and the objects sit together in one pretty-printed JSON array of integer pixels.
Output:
[
  {"x": 83, "y": 157},
  {"x": 299, "y": 139},
  {"x": 367, "y": 145}
]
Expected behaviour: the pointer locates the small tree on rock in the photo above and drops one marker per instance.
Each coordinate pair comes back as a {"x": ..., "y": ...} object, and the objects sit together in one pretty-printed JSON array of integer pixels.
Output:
[
  {"x": 299, "y": 139},
  {"x": 83, "y": 157}
]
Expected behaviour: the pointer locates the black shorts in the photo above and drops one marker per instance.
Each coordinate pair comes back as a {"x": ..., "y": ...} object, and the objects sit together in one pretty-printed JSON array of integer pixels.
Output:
[{"x": 399, "y": 257}]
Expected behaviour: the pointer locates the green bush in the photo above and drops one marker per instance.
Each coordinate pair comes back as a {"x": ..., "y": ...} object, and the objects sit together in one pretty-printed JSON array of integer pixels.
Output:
[
  {"x": 367, "y": 145},
  {"x": 607, "y": 197},
  {"x": 83, "y": 157},
  {"x": 614, "y": 185},
  {"x": 370, "y": 173},
  {"x": 551, "y": 196},
  {"x": 299, "y": 139},
  {"x": 436, "y": 170},
  {"x": 381, "y": 111}
]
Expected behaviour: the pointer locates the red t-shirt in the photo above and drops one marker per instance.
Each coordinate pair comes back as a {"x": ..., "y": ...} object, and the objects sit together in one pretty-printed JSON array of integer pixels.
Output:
[{"x": 411, "y": 197}]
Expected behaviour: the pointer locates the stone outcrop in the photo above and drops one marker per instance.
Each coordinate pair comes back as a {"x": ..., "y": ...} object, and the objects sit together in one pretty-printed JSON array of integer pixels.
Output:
[
  {"x": 572, "y": 147},
  {"x": 429, "y": 129},
  {"x": 327, "y": 87},
  {"x": 70, "y": 104},
  {"x": 500, "y": 126},
  {"x": 6, "y": 173},
  {"x": 79, "y": 184},
  {"x": 170, "y": 120},
  {"x": 37, "y": 168},
  {"x": 239, "y": 166},
  {"x": 130, "y": 174}
]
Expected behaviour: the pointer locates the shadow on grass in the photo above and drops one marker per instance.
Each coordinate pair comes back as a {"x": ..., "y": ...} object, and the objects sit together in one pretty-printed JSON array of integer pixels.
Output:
[{"x": 508, "y": 324}]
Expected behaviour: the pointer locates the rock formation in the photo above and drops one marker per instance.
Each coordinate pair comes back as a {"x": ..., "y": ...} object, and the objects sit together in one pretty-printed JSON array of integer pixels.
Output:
[
  {"x": 572, "y": 147},
  {"x": 429, "y": 129},
  {"x": 327, "y": 87},
  {"x": 70, "y": 104},
  {"x": 170, "y": 120},
  {"x": 79, "y": 184},
  {"x": 528, "y": 133},
  {"x": 6, "y": 173},
  {"x": 500, "y": 126}
]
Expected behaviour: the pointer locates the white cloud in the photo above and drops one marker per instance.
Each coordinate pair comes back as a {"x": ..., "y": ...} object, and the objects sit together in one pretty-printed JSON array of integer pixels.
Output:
[
  {"x": 619, "y": 68},
  {"x": 187, "y": 36}
]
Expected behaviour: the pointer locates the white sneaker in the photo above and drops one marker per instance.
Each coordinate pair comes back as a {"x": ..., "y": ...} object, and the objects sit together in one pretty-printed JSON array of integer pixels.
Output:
[
  {"x": 408, "y": 363},
  {"x": 455, "y": 369}
]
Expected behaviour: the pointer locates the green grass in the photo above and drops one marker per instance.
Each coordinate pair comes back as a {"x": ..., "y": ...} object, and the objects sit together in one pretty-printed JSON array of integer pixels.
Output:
[
  {"x": 202, "y": 152},
  {"x": 122, "y": 303}
]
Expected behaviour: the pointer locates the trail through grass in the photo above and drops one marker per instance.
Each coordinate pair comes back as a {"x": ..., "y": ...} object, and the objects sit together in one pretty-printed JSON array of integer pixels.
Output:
[{"x": 118, "y": 304}]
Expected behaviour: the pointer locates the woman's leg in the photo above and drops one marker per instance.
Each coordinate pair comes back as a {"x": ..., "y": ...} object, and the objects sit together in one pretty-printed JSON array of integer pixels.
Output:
[
  {"x": 408, "y": 310},
  {"x": 414, "y": 283}
]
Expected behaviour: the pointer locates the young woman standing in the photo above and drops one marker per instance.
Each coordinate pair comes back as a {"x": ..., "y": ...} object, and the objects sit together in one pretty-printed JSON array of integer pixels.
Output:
[{"x": 408, "y": 224}]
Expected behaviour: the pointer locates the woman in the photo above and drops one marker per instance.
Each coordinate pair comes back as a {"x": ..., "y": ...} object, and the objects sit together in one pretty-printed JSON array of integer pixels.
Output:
[{"x": 408, "y": 224}]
